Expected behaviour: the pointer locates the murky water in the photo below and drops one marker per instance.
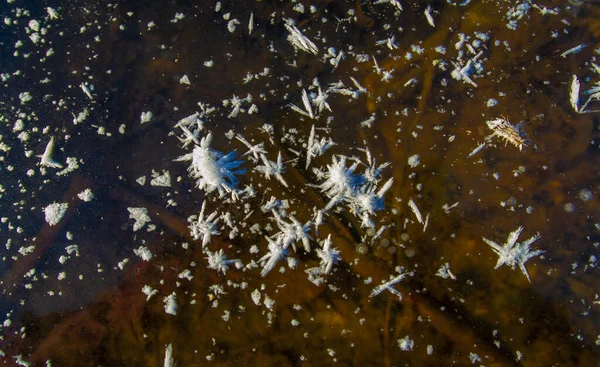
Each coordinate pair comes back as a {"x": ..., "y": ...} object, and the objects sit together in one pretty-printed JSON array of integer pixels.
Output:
[{"x": 415, "y": 83}]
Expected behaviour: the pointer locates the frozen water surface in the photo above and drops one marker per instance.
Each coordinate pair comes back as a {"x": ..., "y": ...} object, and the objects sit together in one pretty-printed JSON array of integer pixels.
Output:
[{"x": 390, "y": 182}]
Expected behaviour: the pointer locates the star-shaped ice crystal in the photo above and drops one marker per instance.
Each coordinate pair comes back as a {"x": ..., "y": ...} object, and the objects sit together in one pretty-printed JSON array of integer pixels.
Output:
[{"x": 514, "y": 253}]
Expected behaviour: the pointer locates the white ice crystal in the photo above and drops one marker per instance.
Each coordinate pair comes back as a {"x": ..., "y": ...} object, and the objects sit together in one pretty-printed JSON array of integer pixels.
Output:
[
  {"x": 140, "y": 215},
  {"x": 255, "y": 150},
  {"x": 316, "y": 147},
  {"x": 168, "y": 362},
  {"x": 143, "y": 252},
  {"x": 55, "y": 212},
  {"x": 592, "y": 93},
  {"x": 387, "y": 286},
  {"x": 46, "y": 159},
  {"x": 171, "y": 304},
  {"x": 373, "y": 172},
  {"x": 300, "y": 41},
  {"x": 514, "y": 253},
  {"x": 338, "y": 179},
  {"x": 218, "y": 261},
  {"x": 212, "y": 169},
  {"x": 204, "y": 227},
  {"x": 275, "y": 254},
  {"x": 270, "y": 168},
  {"x": 86, "y": 195},
  {"x": 292, "y": 232},
  {"x": 405, "y": 344},
  {"x": 365, "y": 201},
  {"x": 328, "y": 255},
  {"x": 505, "y": 130}
]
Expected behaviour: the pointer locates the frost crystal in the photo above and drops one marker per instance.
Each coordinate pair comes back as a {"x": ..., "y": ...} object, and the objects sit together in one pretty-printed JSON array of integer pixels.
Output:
[
  {"x": 328, "y": 255},
  {"x": 171, "y": 304},
  {"x": 514, "y": 253},
  {"x": 300, "y": 41},
  {"x": 86, "y": 195},
  {"x": 46, "y": 158},
  {"x": 162, "y": 180},
  {"x": 503, "y": 129},
  {"x": 338, "y": 179},
  {"x": 276, "y": 253},
  {"x": 212, "y": 169},
  {"x": 204, "y": 228},
  {"x": 55, "y": 212},
  {"x": 218, "y": 261},
  {"x": 144, "y": 253},
  {"x": 140, "y": 215},
  {"x": 291, "y": 233},
  {"x": 406, "y": 343},
  {"x": 270, "y": 168}
]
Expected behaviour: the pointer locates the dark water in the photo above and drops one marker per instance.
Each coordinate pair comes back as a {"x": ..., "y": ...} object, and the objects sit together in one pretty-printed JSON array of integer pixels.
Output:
[{"x": 95, "y": 314}]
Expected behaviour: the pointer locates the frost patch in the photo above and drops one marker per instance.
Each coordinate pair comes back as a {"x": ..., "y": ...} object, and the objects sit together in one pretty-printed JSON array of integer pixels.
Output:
[
  {"x": 55, "y": 212},
  {"x": 140, "y": 215}
]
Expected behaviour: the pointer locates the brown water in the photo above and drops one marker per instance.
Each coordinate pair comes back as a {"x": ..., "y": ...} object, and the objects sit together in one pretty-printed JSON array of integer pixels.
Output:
[{"x": 98, "y": 316}]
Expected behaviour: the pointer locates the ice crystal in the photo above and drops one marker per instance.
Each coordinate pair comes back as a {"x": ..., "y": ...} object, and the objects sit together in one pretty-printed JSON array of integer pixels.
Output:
[
  {"x": 275, "y": 254},
  {"x": 204, "y": 227},
  {"x": 292, "y": 232},
  {"x": 505, "y": 130},
  {"x": 55, "y": 212},
  {"x": 255, "y": 150},
  {"x": 316, "y": 147},
  {"x": 46, "y": 159},
  {"x": 212, "y": 169},
  {"x": 219, "y": 262},
  {"x": 299, "y": 40},
  {"x": 338, "y": 180},
  {"x": 514, "y": 253},
  {"x": 140, "y": 215},
  {"x": 270, "y": 168},
  {"x": 592, "y": 93},
  {"x": 328, "y": 255}
]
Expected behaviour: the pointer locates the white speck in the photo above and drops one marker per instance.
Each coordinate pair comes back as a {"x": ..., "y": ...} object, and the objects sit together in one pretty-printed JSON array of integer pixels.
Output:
[
  {"x": 140, "y": 215},
  {"x": 491, "y": 102},
  {"x": 415, "y": 210},
  {"x": 52, "y": 13},
  {"x": 34, "y": 25},
  {"x": 171, "y": 304},
  {"x": 86, "y": 195},
  {"x": 573, "y": 50},
  {"x": 405, "y": 344},
  {"x": 414, "y": 161},
  {"x": 444, "y": 272},
  {"x": 55, "y": 212},
  {"x": 46, "y": 158},
  {"x": 429, "y": 16},
  {"x": 86, "y": 90},
  {"x": 146, "y": 117},
  {"x": 143, "y": 252},
  {"x": 25, "y": 97},
  {"x": 185, "y": 80},
  {"x": 149, "y": 292},
  {"x": 232, "y": 24},
  {"x": 574, "y": 94},
  {"x": 168, "y": 356},
  {"x": 163, "y": 180}
]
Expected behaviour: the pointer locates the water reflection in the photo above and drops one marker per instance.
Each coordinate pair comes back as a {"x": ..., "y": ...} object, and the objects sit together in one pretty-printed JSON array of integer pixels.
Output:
[{"x": 86, "y": 306}]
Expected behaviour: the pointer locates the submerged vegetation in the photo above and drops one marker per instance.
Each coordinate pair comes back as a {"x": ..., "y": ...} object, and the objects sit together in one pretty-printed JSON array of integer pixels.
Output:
[{"x": 299, "y": 182}]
